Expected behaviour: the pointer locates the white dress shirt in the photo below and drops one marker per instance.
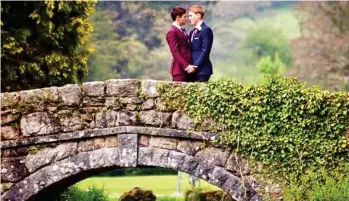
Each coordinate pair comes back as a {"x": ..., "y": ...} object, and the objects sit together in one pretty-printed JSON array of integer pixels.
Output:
[
  {"x": 176, "y": 25},
  {"x": 198, "y": 26}
]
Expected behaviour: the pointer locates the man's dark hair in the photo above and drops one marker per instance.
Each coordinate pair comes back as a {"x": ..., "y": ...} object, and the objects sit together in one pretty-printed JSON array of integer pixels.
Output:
[{"x": 177, "y": 11}]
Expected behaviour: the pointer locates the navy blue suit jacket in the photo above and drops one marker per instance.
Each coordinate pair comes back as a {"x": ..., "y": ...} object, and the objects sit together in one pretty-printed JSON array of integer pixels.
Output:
[{"x": 201, "y": 48}]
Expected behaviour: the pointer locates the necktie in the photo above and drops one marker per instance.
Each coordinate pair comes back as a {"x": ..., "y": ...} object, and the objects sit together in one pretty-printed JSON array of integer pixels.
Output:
[
  {"x": 184, "y": 31},
  {"x": 192, "y": 36},
  {"x": 186, "y": 34}
]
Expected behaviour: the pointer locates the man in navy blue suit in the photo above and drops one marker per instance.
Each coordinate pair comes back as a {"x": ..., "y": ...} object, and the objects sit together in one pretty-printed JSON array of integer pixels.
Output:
[{"x": 201, "y": 39}]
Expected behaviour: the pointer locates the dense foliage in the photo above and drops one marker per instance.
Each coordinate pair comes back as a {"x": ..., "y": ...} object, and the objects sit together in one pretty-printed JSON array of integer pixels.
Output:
[
  {"x": 115, "y": 55},
  {"x": 321, "y": 186},
  {"x": 280, "y": 123},
  {"x": 267, "y": 65},
  {"x": 259, "y": 40},
  {"x": 129, "y": 39},
  {"x": 44, "y": 43}
]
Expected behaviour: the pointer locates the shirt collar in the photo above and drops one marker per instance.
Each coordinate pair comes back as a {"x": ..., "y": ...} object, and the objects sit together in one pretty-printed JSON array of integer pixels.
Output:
[
  {"x": 198, "y": 26},
  {"x": 176, "y": 25}
]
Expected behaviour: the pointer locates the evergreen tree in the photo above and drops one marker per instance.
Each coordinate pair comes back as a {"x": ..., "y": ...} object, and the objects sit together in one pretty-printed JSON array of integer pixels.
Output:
[{"x": 44, "y": 43}]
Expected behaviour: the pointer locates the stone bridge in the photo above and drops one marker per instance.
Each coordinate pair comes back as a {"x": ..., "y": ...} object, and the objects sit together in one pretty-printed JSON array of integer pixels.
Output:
[{"x": 53, "y": 137}]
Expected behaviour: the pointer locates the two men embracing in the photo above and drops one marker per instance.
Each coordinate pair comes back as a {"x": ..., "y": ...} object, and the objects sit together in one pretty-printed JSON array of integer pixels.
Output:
[{"x": 191, "y": 52}]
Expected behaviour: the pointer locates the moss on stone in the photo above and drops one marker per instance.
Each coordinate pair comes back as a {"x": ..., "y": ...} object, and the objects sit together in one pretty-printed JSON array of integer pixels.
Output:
[
  {"x": 32, "y": 150},
  {"x": 198, "y": 195},
  {"x": 138, "y": 194}
]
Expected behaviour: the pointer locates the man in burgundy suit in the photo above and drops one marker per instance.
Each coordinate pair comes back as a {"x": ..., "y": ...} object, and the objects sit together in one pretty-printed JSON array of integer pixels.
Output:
[{"x": 178, "y": 42}]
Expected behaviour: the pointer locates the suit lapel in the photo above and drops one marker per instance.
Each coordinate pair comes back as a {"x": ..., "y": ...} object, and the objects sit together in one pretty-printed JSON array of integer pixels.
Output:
[
  {"x": 192, "y": 35},
  {"x": 197, "y": 33}
]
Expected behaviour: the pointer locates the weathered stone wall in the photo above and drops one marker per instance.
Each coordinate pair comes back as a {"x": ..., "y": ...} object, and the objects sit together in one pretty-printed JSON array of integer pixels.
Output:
[
  {"x": 53, "y": 133},
  {"x": 91, "y": 105}
]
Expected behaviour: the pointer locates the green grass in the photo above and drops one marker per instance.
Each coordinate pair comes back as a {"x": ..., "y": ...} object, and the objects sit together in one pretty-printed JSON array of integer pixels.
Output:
[{"x": 160, "y": 185}]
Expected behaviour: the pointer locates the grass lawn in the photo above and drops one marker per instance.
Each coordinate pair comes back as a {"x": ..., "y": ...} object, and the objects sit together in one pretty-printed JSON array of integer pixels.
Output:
[{"x": 160, "y": 185}]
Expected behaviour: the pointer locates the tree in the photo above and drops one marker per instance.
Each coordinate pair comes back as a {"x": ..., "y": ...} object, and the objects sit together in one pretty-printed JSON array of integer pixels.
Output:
[
  {"x": 321, "y": 53},
  {"x": 267, "y": 65},
  {"x": 44, "y": 43},
  {"x": 135, "y": 19},
  {"x": 116, "y": 55},
  {"x": 232, "y": 10},
  {"x": 265, "y": 40},
  {"x": 129, "y": 42}
]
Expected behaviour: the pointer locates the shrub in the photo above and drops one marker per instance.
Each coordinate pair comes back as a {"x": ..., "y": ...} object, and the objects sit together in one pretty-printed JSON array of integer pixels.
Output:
[
  {"x": 197, "y": 194},
  {"x": 138, "y": 194},
  {"x": 321, "y": 185}
]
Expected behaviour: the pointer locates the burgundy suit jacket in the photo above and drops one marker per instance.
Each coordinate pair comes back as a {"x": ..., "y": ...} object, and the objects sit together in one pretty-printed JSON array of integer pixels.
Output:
[{"x": 179, "y": 45}]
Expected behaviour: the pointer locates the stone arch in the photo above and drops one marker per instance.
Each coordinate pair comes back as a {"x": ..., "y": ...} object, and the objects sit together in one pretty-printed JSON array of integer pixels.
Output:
[
  {"x": 126, "y": 119},
  {"x": 105, "y": 158}
]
